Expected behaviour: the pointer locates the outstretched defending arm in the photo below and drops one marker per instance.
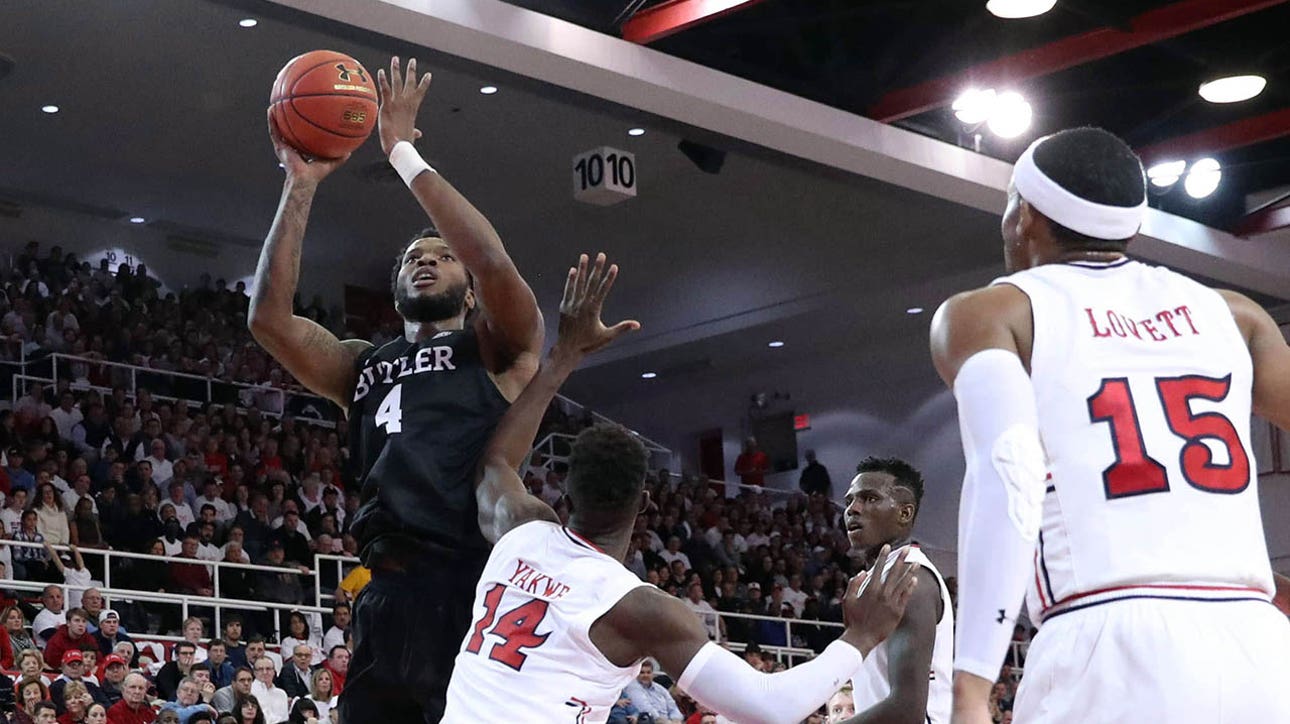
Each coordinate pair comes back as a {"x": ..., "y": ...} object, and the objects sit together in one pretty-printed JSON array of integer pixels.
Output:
[
  {"x": 648, "y": 622},
  {"x": 512, "y": 320},
  {"x": 976, "y": 353},
  {"x": 308, "y": 351},
  {"x": 1271, "y": 357},
  {"x": 500, "y": 495}
]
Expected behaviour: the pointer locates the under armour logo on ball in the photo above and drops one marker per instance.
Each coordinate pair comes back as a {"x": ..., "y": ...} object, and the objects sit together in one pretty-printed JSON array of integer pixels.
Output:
[{"x": 345, "y": 73}]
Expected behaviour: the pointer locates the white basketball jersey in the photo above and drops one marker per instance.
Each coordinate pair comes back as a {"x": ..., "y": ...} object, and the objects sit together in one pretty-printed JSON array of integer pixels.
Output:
[
  {"x": 528, "y": 656},
  {"x": 1143, "y": 385},
  {"x": 872, "y": 685}
]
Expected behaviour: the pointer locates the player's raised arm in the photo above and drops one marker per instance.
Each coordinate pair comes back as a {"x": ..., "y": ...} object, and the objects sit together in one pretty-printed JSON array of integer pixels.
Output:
[
  {"x": 1271, "y": 357},
  {"x": 511, "y": 322},
  {"x": 310, "y": 353},
  {"x": 502, "y": 500},
  {"x": 974, "y": 341},
  {"x": 648, "y": 622}
]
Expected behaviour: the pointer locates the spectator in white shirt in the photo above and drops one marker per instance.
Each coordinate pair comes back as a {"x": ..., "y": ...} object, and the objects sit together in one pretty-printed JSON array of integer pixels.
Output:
[
  {"x": 12, "y": 513},
  {"x": 183, "y": 513},
  {"x": 210, "y": 496},
  {"x": 66, "y": 415},
  {"x": 673, "y": 553},
  {"x": 80, "y": 489},
  {"x": 794, "y": 595},
  {"x": 273, "y": 701},
  {"x": 704, "y": 610},
  {"x": 162, "y": 469}
]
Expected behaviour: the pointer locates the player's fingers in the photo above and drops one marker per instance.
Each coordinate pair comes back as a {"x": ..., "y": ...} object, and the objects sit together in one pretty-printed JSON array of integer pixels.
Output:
[
  {"x": 579, "y": 288},
  {"x": 623, "y": 327},
  {"x": 597, "y": 274},
  {"x": 424, "y": 85},
  {"x": 570, "y": 285},
  {"x": 410, "y": 77},
  {"x": 584, "y": 281},
  {"x": 273, "y": 126},
  {"x": 606, "y": 284},
  {"x": 854, "y": 586},
  {"x": 396, "y": 78},
  {"x": 382, "y": 85},
  {"x": 416, "y": 134},
  {"x": 906, "y": 590}
]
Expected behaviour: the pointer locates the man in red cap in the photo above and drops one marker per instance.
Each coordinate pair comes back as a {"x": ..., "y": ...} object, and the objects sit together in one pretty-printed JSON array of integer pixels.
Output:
[
  {"x": 133, "y": 707},
  {"x": 73, "y": 664},
  {"x": 113, "y": 677}
]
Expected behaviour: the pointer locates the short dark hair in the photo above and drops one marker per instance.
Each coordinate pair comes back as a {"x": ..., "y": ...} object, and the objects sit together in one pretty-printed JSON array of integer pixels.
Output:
[
  {"x": 607, "y": 467},
  {"x": 185, "y": 645},
  {"x": 1095, "y": 165},
  {"x": 332, "y": 651},
  {"x": 255, "y": 639},
  {"x": 906, "y": 475}
]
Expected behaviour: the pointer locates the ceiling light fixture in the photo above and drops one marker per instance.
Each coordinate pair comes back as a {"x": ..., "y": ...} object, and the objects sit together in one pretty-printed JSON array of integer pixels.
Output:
[
  {"x": 137, "y": 220},
  {"x": 776, "y": 344},
  {"x": 1011, "y": 115},
  {"x": 973, "y": 106},
  {"x": 1013, "y": 9},
  {"x": 914, "y": 310},
  {"x": 1166, "y": 173},
  {"x": 648, "y": 375},
  {"x": 1203, "y": 178},
  {"x": 636, "y": 131},
  {"x": 248, "y": 22},
  {"x": 49, "y": 109},
  {"x": 1233, "y": 89},
  {"x": 488, "y": 90}
]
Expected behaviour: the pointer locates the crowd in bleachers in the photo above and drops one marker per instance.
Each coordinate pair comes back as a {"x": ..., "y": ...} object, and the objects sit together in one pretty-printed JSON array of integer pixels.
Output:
[{"x": 133, "y": 470}]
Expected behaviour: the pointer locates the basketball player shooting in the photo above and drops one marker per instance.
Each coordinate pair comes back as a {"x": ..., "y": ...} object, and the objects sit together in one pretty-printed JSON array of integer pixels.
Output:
[
  {"x": 421, "y": 409},
  {"x": 907, "y": 677},
  {"x": 561, "y": 625},
  {"x": 1105, "y": 410}
]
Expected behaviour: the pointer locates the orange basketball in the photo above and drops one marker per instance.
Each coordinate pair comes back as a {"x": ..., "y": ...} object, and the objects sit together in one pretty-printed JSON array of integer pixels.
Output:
[{"x": 324, "y": 104}]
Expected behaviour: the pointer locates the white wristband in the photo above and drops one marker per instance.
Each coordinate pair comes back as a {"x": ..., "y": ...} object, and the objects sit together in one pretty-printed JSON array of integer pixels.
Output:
[{"x": 405, "y": 159}]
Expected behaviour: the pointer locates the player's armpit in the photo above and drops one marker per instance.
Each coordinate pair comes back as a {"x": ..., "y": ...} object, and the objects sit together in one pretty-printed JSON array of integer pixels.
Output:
[
  {"x": 314, "y": 356},
  {"x": 909, "y": 658},
  {"x": 504, "y": 504},
  {"x": 1270, "y": 355},
  {"x": 996, "y": 317}
]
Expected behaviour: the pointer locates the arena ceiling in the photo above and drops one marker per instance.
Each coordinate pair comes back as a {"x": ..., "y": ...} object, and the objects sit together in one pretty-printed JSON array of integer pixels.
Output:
[
  {"x": 1131, "y": 66},
  {"x": 161, "y": 115}
]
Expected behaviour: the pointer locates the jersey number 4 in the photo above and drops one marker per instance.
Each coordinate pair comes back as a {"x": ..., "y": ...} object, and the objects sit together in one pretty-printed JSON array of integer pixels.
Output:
[
  {"x": 1137, "y": 473},
  {"x": 516, "y": 628},
  {"x": 390, "y": 414}
]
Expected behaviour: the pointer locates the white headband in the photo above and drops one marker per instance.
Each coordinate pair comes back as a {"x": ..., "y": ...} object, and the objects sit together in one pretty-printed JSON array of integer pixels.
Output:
[{"x": 1099, "y": 221}]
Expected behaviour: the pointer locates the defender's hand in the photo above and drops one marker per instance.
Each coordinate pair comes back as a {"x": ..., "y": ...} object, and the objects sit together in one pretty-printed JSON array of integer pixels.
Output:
[
  {"x": 400, "y": 99},
  {"x": 581, "y": 330},
  {"x": 872, "y": 616}
]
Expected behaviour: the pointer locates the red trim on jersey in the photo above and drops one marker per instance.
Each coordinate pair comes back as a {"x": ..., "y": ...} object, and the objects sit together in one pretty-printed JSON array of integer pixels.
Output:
[
  {"x": 1043, "y": 602},
  {"x": 583, "y": 541},
  {"x": 1155, "y": 586}
]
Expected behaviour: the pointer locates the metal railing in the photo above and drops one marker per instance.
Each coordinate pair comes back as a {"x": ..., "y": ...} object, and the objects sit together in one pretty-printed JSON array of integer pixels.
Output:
[
  {"x": 109, "y": 554},
  {"x": 340, "y": 562},
  {"x": 186, "y": 603}
]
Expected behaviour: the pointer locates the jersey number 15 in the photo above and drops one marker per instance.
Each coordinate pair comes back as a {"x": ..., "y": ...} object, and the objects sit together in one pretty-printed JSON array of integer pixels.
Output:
[{"x": 1135, "y": 472}]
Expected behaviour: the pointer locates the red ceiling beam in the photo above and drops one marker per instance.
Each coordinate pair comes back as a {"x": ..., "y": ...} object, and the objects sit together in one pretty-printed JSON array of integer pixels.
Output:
[
  {"x": 1150, "y": 27},
  {"x": 1237, "y": 134},
  {"x": 671, "y": 17},
  {"x": 1263, "y": 221}
]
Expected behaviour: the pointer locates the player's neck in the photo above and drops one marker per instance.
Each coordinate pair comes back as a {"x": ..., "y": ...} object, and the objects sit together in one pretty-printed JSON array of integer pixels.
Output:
[
  {"x": 614, "y": 542},
  {"x": 421, "y": 331},
  {"x": 870, "y": 556}
]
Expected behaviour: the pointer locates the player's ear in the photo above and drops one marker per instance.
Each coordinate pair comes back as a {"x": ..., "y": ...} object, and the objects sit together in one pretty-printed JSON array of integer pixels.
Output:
[
  {"x": 906, "y": 514},
  {"x": 470, "y": 298},
  {"x": 644, "y": 501},
  {"x": 1027, "y": 220}
]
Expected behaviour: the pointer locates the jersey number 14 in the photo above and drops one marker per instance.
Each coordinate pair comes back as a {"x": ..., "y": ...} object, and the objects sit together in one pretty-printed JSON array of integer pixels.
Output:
[
  {"x": 1135, "y": 472},
  {"x": 517, "y": 629}
]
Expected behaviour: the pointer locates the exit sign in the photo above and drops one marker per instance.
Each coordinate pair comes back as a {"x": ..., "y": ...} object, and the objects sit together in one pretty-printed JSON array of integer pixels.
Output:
[{"x": 801, "y": 422}]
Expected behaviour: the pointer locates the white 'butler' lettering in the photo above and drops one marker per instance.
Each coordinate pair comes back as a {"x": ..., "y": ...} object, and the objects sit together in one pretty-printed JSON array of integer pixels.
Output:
[{"x": 426, "y": 359}]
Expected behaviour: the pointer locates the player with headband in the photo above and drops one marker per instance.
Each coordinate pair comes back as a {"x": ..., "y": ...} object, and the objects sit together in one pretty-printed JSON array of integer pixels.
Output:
[{"x": 1105, "y": 406}]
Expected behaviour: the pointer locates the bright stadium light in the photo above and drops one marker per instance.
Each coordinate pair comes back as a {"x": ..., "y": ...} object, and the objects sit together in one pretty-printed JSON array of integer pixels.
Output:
[
  {"x": 974, "y": 106},
  {"x": 1011, "y": 115},
  {"x": 1166, "y": 173},
  {"x": 1203, "y": 178},
  {"x": 1013, "y": 9},
  {"x": 1233, "y": 89}
]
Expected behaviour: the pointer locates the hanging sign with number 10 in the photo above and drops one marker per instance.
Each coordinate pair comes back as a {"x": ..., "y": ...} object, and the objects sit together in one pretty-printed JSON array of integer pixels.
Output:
[{"x": 604, "y": 176}]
